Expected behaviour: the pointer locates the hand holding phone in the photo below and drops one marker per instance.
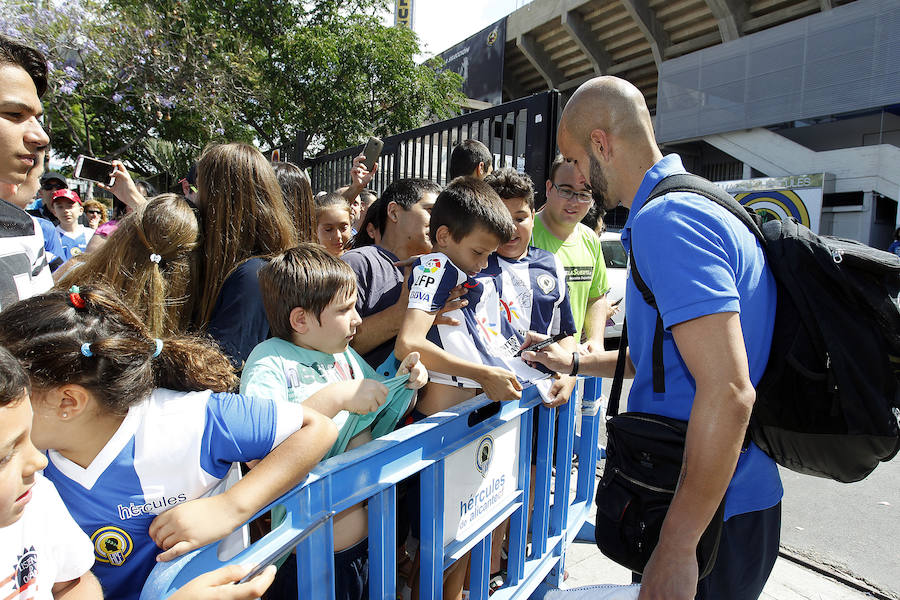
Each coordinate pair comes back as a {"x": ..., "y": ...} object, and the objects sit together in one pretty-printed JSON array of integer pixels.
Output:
[
  {"x": 372, "y": 151},
  {"x": 93, "y": 169}
]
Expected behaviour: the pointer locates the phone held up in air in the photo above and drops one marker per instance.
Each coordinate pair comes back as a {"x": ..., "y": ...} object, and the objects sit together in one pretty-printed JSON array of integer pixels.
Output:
[
  {"x": 372, "y": 151},
  {"x": 94, "y": 170}
]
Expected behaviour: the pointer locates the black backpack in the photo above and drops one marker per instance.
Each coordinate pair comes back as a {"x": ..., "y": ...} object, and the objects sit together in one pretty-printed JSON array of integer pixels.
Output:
[{"x": 829, "y": 400}]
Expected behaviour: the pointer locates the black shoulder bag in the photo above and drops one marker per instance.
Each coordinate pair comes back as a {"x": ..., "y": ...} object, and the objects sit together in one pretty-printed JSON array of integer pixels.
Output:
[
  {"x": 644, "y": 453},
  {"x": 643, "y": 463}
]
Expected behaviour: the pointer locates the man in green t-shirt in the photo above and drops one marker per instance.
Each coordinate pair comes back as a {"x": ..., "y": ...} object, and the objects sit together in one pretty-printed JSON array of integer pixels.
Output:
[{"x": 558, "y": 229}]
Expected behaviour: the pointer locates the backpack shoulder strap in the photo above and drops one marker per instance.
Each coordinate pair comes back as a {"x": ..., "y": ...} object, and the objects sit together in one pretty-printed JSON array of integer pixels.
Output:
[{"x": 686, "y": 182}]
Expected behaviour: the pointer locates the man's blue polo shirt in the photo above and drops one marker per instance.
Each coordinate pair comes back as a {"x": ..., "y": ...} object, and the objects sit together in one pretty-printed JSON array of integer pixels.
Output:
[{"x": 698, "y": 259}]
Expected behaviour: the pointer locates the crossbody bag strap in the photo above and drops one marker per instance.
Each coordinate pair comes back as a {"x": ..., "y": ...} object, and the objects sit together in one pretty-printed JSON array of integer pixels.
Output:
[{"x": 619, "y": 376}]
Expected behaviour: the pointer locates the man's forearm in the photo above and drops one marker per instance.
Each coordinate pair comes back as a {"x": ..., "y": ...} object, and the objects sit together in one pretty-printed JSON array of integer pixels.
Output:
[
  {"x": 603, "y": 364},
  {"x": 715, "y": 436}
]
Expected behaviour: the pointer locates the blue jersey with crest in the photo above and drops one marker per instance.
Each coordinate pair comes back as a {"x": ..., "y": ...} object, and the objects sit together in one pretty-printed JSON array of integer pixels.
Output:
[
  {"x": 532, "y": 292},
  {"x": 169, "y": 449},
  {"x": 485, "y": 335}
]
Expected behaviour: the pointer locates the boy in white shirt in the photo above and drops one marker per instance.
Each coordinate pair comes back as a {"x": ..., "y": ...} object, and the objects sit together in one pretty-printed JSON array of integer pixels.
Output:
[{"x": 43, "y": 552}]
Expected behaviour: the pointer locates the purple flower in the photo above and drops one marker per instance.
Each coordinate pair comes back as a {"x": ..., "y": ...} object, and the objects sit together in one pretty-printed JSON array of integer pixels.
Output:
[
  {"x": 67, "y": 87},
  {"x": 148, "y": 33},
  {"x": 117, "y": 97},
  {"x": 129, "y": 108},
  {"x": 220, "y": 131},
  {"x": 72, "y": 72}
]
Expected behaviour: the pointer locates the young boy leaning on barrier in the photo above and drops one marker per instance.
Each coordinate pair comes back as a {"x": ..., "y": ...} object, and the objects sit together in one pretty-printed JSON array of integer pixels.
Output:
[
  {"x": 468, "y": 223},
  {"x": 533, "y": 292},
  {"x": 310, "y": 300}
]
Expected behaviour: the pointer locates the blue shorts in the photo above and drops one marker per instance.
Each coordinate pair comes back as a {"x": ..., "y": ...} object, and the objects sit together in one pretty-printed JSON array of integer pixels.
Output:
[
  {"x": 747, "y": 552},
  {"x": 351, "y": 572}
]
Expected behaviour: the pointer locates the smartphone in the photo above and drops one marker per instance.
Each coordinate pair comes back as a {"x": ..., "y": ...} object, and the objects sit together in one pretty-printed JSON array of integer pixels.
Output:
[
  {"x": 543, "y": 344},
  {"x": 372, "y": 152},
  {"x": 286, "y": 548},
  {"x": 94, "y": 170},
  {"x": 617, "y": 302}
]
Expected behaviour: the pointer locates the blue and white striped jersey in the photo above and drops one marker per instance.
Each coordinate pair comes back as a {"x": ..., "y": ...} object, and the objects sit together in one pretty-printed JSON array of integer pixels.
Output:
[
  {"x": 533, "y": 292},
  {"x": 485, "y": 334},
  {"x": 171, "y": 448}
]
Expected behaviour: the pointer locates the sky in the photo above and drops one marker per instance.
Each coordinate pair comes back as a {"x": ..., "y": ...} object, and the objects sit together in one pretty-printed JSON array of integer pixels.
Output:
[{"x": 442, "y": 23}]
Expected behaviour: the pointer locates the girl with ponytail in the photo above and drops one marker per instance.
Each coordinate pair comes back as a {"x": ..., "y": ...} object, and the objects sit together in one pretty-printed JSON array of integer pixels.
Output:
[
  {"x": 148, "y": 262},
  {"x": 139, "y": 431}
]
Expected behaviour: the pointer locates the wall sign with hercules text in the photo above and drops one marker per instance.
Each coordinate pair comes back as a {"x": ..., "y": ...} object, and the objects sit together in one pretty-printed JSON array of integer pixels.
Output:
[{"x": 797, "y": 196}]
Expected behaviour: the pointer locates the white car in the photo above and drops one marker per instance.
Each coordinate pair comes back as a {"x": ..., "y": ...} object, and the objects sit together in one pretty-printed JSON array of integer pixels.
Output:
[{"x": 616, "y": 263}]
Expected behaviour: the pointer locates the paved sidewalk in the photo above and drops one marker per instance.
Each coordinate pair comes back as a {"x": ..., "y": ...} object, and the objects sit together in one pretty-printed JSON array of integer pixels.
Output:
[{"x": 789, "y": 581}]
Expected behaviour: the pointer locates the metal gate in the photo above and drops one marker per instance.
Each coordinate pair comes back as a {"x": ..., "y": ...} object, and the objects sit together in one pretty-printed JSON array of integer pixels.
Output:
[{"x": 520, "y": 134}]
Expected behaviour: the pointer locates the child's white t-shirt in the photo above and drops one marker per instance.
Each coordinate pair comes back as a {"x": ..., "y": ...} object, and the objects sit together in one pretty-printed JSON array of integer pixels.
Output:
[{"x": 45, "y": 546}]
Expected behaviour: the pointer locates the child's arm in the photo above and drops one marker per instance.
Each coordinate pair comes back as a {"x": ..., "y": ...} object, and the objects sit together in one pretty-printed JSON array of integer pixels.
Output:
[
  {"x": 499, "y": 384},
  {"x": 193, "y": 524},
  {"x": 85, "y": 587},
  {"x": 359, "y": 396},
  {"x": 561, "y": 389},
  {"x": 265, "y": 378}
]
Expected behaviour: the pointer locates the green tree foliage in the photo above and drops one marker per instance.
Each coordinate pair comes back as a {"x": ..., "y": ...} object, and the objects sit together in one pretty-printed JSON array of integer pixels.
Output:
[{"x": 127, "y": 73}]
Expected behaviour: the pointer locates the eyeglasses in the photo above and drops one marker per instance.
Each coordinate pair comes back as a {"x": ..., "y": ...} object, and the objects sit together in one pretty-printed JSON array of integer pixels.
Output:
[
  {"x": 52, "y": 186},
  {"x": 568, "y": 193},
  {"x": 93, "y": 212}
]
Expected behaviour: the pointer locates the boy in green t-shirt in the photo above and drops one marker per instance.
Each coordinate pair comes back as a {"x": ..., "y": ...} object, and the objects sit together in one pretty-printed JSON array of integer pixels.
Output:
[
  {"x": 558, "y": 229},
  {"x": 310, "y": 300}
]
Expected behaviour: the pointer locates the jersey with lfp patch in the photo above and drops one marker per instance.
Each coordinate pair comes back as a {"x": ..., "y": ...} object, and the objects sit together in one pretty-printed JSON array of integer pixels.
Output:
[
  {"x": 484, "y": 334},
  {"x": 533, "y": 292},
  {"x": 169, "y": 449}
]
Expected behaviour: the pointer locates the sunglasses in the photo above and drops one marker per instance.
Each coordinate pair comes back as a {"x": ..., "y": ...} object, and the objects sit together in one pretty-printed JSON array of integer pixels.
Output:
[
  {"x": 52, "y": 186},
  {"x": 93, "y": 212}
]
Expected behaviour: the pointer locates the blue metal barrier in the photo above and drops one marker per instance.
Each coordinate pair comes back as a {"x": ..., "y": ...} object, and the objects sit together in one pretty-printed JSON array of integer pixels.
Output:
[{"x": 371, "y": 473}]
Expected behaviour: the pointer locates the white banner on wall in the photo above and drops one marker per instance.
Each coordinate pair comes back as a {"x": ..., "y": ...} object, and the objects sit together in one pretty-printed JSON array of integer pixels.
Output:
[{"x": 798, "y": 196}]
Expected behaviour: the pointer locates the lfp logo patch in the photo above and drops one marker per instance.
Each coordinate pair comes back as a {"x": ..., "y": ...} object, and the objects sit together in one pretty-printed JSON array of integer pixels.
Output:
[{"x": 432, "y": 265}]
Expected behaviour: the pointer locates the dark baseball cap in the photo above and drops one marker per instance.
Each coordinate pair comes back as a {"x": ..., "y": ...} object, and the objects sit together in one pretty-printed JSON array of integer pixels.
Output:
[{"x": 54, "y": 175}]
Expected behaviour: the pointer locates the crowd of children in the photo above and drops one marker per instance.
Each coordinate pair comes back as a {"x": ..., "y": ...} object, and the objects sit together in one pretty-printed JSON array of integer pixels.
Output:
[{"x": 233, "y": 325}]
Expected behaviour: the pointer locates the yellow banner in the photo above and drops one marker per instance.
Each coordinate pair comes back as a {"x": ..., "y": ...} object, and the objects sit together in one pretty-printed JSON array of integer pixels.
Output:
[{"x": 403, "y": 13}]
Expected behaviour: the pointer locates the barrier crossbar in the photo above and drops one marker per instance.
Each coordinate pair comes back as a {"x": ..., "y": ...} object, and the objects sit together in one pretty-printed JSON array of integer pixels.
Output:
[{"x": 371, "y": 473}]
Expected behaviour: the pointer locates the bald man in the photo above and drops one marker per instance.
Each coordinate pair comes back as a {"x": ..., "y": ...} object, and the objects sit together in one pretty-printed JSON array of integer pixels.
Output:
[{"x": 716, "y": 297}]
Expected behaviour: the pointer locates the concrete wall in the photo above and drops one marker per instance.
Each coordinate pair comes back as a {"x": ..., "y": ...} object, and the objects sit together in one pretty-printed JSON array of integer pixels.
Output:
[{"x": 866, "y": 168}]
